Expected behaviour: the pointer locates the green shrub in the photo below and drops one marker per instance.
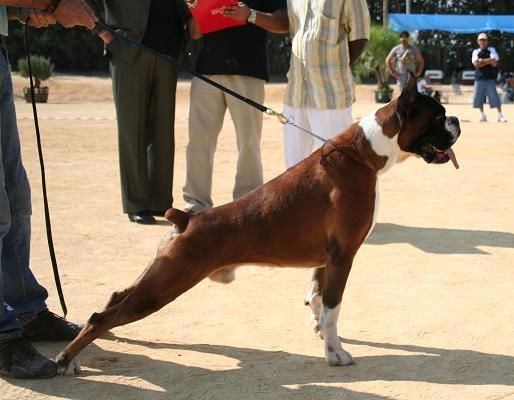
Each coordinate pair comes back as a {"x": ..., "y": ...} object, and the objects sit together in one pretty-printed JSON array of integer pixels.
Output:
[
  {"x": 42, "y": 68},
  {"x": 372, "y": 60}
]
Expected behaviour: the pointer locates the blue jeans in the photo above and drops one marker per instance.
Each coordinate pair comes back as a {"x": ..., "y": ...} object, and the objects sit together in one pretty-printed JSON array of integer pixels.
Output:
[{"x": 21, "y": 297}]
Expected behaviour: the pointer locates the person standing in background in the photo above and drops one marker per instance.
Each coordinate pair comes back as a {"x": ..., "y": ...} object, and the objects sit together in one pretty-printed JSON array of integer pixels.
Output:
[
  {"x": 407, "y": 58},
  {"x": 144, "y": 95},
  {"x": 236, "y": 58},
  {"x": 327, "y": 38},
  {"x": 485, "y": 60}
]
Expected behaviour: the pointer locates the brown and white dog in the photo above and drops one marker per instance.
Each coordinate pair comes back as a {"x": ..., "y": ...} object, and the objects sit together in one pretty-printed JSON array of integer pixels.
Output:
[{"x": 316, "y": 214}]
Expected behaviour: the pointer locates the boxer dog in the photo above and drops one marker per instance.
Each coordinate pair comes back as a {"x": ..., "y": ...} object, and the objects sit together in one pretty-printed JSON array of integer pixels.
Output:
[{"x": 316, "y": 214}]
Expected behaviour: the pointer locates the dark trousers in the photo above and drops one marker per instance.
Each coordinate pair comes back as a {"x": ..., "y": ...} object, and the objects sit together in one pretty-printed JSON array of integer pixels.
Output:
[{"x": 144, "y": 95}]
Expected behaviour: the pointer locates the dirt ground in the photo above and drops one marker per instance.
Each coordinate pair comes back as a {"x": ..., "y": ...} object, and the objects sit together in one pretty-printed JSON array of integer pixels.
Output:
[{"x": 428, "y": 311}]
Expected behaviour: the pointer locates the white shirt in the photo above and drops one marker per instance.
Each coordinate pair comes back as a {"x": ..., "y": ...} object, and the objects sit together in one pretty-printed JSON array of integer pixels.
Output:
[{"x": 492, "y": 50}]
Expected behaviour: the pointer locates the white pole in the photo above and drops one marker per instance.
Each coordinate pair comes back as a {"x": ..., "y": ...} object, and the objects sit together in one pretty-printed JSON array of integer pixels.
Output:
[{"x": 407, "y": 9}]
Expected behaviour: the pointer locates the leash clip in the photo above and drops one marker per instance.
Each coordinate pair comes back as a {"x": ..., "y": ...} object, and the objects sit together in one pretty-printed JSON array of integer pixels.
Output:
[{"x": 281, "y": 117}]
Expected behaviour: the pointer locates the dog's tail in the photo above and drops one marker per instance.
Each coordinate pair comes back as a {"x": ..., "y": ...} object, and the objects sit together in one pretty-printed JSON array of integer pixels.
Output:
[{"x": 179, "y": 218}]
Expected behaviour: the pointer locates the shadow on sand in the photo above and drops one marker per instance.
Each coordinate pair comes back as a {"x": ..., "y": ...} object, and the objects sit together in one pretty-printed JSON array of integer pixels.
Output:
[
  {"x": 439, "y": 240},
  {"x": 269, "y": 374}
]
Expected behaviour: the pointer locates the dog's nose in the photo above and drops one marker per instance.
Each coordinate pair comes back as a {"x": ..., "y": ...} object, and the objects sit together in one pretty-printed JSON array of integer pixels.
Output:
[{"x": 452, "y": 124}]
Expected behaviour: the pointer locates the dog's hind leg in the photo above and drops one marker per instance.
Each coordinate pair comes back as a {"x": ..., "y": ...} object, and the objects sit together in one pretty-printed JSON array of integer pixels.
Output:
[
  {"x": 168, "y": 276},
  {"x": 313, "y": 298}
]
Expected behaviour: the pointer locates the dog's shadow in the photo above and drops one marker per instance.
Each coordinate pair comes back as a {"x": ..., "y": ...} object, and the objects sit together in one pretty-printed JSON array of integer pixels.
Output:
[
  {"x": 439, "y": 240},
  {"x": 265, "y": 374}
]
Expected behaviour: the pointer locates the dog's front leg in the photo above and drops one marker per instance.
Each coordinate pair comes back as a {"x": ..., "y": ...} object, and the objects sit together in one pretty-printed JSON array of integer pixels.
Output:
[
  {"x": 336, "y": 274},
  {"x": 314, "y": 300}
]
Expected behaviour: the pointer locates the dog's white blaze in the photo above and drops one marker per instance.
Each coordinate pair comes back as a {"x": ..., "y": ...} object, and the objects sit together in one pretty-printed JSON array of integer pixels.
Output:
[
  {"x": 380, "y": 143},
  {"x": 334, "y": 353}
]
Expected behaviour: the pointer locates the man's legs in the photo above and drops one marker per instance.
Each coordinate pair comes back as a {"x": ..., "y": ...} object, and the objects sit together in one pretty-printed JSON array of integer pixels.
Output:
[
  {"x": 131, "y": 83},
  {"x": 161, "y": 150},
  {"x": 248, "y": 126},
  {"x": 494, "y": 99},
  {"x": 22, "y": 299},
  {"x": 297, "y": 144},
  {"x": 324, "y": 123},
  {"x": 329, "y": 123},
  {"x": 479, "y": 98},
  {"x": 206, "y": 113},
  {"x": 18, "y": 286}
]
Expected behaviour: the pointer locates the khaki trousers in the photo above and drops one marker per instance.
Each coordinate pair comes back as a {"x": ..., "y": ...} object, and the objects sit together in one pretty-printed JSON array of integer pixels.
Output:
[{"x": 207, "y": 111}]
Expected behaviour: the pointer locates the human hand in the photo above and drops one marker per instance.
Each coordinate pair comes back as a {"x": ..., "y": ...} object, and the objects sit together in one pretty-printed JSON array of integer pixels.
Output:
[
  {"x": 239, "y": 12},
  {"x": 38, "y": 18},
  {"x": 106, "y": 36},
  {"x": 71, "y": 13}
]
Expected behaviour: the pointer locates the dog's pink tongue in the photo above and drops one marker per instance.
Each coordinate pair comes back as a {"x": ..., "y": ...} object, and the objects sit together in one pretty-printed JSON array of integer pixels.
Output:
[{"x": 451, "y": 154}]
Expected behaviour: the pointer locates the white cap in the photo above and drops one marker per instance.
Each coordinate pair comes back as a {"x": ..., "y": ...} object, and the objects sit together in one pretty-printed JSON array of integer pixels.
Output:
[{"x": 482, "y": 36}]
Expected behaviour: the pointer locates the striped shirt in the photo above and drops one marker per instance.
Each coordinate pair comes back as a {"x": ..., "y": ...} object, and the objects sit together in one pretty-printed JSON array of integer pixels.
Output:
[{"x": 319, "y": 74}]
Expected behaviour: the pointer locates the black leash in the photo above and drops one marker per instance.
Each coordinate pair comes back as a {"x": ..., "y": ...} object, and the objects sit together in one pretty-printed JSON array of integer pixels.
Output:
[
  {"x": 43, "y": 180},
  {"x": 119, "y": 34}
]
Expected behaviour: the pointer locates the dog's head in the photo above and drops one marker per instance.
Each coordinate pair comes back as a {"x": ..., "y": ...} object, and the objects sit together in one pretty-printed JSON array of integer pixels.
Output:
[{"x": 425, "y": 130}]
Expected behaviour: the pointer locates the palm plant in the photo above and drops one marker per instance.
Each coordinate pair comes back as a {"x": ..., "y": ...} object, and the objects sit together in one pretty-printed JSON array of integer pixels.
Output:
[{"x": 372, "y": 60}]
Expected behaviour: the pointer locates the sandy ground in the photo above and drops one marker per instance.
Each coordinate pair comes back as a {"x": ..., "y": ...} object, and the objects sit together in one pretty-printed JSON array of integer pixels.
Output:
[{"x": 428, "y": 311}]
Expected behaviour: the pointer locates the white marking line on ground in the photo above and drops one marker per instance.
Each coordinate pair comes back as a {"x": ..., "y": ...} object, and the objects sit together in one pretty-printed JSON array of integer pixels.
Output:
[{"x": 71, "y": 118}]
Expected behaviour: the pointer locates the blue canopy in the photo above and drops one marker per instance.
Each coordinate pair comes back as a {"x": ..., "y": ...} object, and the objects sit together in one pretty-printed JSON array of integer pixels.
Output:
[{"x": 451, "y": 23}]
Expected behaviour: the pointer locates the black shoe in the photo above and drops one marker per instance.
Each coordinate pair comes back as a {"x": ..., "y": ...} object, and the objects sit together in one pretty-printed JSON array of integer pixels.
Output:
[
  {"x": 142, "y": 217},
  {"x": 50, "y": 327},
  {"x": 158, "y": 213},
  {"x": 19, "y": 359}
]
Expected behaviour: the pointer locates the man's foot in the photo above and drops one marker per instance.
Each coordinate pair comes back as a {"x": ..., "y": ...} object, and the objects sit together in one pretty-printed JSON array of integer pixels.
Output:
[
  {"x": 19, "y": 359},
  {"x": 482, "y": 118},
  {"x": 49, "y": 326},
  {"x": 501, "y": 118},
  {"x": 142, "y": 217}
]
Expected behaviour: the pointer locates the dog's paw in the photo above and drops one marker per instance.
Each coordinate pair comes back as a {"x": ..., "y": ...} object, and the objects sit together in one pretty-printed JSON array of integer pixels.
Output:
[
  {"x": 339, "y": 357},
  {"x": 316, "y": 327},
  {"x": 224, "y": 275},
  {"x": 72, "y": 368}
]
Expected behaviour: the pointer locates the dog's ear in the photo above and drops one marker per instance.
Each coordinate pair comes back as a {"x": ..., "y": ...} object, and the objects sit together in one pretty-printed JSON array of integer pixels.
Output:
[{"x": 408, "y": 97}]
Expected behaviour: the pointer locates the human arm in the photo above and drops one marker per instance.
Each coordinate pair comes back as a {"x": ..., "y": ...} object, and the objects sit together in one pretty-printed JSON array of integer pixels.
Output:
[
  {"x": 356, "y": 48},
  {"x": 34, "y": 17},
  {"x": 194, "y": 29},
  {"x": 482, "y": 62},
  {"x": 276, "y": 21},
  {"x": 357, "y": 22},
  {"x": 68, "y": 13},
  {"x": 389, "y": 64}
]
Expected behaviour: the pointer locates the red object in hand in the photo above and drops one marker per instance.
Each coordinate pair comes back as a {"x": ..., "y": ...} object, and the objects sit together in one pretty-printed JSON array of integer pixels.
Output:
[{"x": 208, "y": 14}]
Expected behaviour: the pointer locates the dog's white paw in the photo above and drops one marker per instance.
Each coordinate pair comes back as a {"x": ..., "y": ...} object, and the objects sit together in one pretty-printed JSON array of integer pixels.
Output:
[
  {"x": 316, "y": 327},
  {"x": 339, "y": 357},
  {"x": 223, "y": 275},
  {"x": 73, "y": 368}
]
